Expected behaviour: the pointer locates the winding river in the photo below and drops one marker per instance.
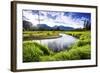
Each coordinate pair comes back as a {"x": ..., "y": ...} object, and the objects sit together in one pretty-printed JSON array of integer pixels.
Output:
[{"x": 58, "y": 44}]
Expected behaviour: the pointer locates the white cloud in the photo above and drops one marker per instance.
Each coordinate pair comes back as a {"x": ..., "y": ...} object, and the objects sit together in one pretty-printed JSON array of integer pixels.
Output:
[
  {"x": 32, "y": 18},
  {"x": 54, "y": 18}
]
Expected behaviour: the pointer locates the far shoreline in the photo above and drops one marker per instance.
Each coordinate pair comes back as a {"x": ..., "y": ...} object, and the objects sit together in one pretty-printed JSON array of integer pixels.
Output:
[{"x": 39, "y": 38}]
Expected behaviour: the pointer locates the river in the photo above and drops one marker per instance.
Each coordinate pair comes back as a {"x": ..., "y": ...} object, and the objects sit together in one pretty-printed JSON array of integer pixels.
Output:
[{"x": 58, "y": 44}]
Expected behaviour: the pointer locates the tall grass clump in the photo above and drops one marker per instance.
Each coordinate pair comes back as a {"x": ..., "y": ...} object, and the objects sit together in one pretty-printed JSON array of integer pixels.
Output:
[
  {"x": 78, "y": 53},
  {"x": 32, "y": 51}
]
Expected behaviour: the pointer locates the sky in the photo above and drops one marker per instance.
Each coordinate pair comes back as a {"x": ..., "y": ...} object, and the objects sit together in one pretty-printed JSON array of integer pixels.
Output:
[{"x": 53, "y": 18}]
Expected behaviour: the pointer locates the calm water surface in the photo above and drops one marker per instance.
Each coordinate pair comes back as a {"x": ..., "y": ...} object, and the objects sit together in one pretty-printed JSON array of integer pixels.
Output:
[{"x": 58, "y": 44}]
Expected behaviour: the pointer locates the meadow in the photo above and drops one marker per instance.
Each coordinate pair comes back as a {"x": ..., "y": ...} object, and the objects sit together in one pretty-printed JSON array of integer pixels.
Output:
[
  {"x": 35, "y": 52},
  {"x": 30, "y": 35}
]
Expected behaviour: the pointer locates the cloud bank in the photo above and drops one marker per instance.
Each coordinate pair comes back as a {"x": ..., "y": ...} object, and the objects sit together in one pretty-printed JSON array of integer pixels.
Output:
[{"x": 52, "y": 18}]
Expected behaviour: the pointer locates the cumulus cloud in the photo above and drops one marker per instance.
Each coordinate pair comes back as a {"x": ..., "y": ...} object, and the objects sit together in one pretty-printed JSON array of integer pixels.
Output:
[{"x": 52, "y": 18}]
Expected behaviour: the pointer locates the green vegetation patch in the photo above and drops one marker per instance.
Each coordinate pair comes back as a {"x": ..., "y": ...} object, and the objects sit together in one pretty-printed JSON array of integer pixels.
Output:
[
  {"x": 32, "y": 51},
  {"x": 31, "y": 35},
  {"x": 35, "y": 52}
]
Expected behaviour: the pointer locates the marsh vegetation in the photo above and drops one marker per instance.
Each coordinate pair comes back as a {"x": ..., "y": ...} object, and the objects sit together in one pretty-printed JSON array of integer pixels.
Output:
[{"x": 35, "y": 52}]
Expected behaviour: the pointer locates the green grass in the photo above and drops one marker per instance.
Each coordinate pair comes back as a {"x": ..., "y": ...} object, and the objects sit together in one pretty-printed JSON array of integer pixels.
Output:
[
  {"x": 35, "y": 52},
  {"x": 78, "y": 53},
  {"x": 29, "y": 35},
  {"x": 32, "y": 51}
]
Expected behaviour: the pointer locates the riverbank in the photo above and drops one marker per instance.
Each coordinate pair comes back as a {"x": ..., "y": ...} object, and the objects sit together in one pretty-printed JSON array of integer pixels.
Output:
[{"x": 38, "y": 35}]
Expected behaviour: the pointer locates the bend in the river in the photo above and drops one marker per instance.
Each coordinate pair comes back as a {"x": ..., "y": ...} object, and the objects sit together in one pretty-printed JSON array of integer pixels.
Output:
[{"x": 57, "y": 44}]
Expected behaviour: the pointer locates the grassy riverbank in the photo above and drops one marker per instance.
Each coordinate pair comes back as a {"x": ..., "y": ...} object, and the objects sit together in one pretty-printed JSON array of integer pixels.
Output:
[
  {"x": 29, "y": 35},
  {"x": 35, "y": 52}
]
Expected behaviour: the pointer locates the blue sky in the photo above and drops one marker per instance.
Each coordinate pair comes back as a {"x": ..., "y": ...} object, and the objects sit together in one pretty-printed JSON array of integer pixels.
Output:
[{"x": 52, "y": 18}]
